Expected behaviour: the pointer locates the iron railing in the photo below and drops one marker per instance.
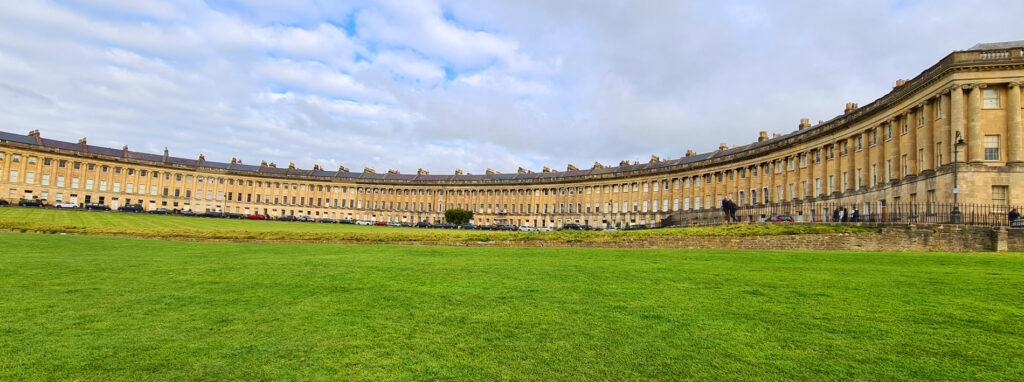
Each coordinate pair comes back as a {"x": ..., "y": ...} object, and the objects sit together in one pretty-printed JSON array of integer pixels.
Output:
[{"x": 824, "y": 212}]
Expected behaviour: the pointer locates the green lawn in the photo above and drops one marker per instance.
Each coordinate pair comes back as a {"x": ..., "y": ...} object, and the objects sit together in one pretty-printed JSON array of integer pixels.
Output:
[
  {"x": 160, "y": 226},
  {"x": 96, "y": 308}
]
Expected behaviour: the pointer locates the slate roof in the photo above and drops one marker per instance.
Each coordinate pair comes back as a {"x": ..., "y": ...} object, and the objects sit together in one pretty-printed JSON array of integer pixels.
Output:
[
  {"x": 998, "y": 45},
  {"x": 10, "y": 137}
]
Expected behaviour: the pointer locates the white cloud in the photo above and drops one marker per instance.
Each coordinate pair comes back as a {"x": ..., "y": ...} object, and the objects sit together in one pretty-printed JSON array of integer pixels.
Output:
[{"x": 458, "y": 84}]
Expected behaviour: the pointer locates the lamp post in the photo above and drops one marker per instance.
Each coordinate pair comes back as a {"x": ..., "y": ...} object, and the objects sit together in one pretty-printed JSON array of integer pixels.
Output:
[{"x": 955, "y": 216}]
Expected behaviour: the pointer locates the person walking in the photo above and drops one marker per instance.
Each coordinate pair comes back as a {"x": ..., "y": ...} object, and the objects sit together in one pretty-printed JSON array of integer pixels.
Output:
[
  {"x": 856, "y": 216},
  {"x": 844, "y": 216},
  {"x": 1013, "y": 215},
  {"x": 725, "y": 210},
  {"x": 835, "y": 215},
  {"x": 732, "y": 210}
]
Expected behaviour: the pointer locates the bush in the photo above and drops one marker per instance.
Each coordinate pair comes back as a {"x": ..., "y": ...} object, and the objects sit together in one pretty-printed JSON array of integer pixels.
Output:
[{"x": 458, "y": 216}]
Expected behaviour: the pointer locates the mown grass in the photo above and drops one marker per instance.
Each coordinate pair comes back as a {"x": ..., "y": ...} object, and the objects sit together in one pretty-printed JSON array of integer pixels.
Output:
[
  {"x": 95, "y": 308},
  {"x": 156, "y": 226}
]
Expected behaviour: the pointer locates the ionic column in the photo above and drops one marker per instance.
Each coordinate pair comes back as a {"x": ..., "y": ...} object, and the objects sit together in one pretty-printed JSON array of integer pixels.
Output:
[
  {"x": 956, "y": 119},
  {"x": 1013, "y": 124},
  {"x": 912, "y": 166},
  {"x": 975, "y": 142}
]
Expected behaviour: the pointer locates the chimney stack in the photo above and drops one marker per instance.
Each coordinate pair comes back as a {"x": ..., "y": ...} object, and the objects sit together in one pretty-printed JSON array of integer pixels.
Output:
[
  {"x": 422, "y": 172},
  {"x": 850, "y": 107},
  {"x": 85, "y": 146},
  {"x": 570, "y": 167},
  {"x": 763, "y": 136},
  {"x": 458, "y": 171},
  {"x": 490, "y": 172},
  {"x": 723, "y": 146},
  {"x": 654, "y": 158},
  {"x": 521, "y": 171},
  {"x": 690, "y": 153},
  {"x": 598, "y": 165},
  {"x": 804, "y": 123},
  {"x": 39, "y": 140},
  {"x": 367, "y": 170},
  {"x": 546, "y": 169}
]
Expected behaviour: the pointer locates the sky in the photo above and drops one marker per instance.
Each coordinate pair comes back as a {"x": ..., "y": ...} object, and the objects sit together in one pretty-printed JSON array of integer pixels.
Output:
[{"x": 440, "y": 85}]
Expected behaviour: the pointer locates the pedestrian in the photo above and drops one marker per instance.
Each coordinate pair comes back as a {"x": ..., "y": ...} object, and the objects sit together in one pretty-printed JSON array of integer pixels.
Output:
[
  {"x": 844, "y": 216},
  {"x": 732, "y": 210},
  {"x": 725, "y": 210},
  {"x": 1014, "y": 215},
  {"x": 835, "y": 216},
  {"x": 856, "y": 216}
]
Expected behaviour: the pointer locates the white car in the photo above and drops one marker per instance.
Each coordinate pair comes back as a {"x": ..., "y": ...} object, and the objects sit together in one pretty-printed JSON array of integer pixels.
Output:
[
  {"x": 527, "y": 229},
  {"x": 544, "y": 229},
  {"x": 364, "y": 222},
  {"x": 65, "y": 205}
]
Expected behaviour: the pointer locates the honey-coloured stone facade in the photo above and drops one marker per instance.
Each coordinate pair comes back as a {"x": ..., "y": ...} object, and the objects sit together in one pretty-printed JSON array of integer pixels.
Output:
[{"x": 898, "y": 149}]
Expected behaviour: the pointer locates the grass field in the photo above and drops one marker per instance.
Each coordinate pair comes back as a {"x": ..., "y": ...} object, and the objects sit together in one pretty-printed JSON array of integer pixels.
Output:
[
  {"x": 159, "y": 226},
  {"x": 97, "y": 308}
]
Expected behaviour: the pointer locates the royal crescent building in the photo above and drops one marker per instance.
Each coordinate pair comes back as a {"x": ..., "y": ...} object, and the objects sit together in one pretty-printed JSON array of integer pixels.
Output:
[{"x": 961, "y": 117}]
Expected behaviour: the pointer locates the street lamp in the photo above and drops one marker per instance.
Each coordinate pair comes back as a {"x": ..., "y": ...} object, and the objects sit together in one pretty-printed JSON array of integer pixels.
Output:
[{"x": 955, "y": 217}]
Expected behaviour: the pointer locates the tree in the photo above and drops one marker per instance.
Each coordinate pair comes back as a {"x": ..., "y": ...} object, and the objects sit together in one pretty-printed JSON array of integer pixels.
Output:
[{"x": 458, "y": 216}]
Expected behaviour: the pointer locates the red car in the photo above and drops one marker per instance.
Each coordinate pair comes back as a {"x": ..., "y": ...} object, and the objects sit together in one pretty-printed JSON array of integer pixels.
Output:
[
  {"x": 256, "y": 217},
  {"x": 381, "y": 223}
]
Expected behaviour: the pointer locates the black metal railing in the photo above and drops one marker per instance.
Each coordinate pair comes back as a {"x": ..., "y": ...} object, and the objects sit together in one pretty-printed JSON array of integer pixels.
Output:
[{"x": 824, "y": 212}]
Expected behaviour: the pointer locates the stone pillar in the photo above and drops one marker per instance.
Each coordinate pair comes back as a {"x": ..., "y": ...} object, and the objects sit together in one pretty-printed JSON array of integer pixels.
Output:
[
  {"x": 1013, "y": 124},
  {"x": 927, "y": 137},
  {"x": 975, "y": 141},
  {"x": 956, "y": 120},
  {"x": 912, "y": 165},
  {"x": 866, "y": 159}
]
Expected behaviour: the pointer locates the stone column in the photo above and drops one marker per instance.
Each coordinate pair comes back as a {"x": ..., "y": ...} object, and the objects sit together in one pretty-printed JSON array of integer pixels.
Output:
[
  {"x": 975, "y": 141},
  {"x": 866, "y": 159},
  {"x": 1013, "y": 124},
  {"x": 912, "y": 166},
  {"x": 956, "y": 120}
]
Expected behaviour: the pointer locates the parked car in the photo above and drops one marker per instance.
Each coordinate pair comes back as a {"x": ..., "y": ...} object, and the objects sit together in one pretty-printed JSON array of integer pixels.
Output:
[
  {"x": 232, "y": 215},
  {"x": 571, "y": 227},
  {"x": 779, "y": 219},
  {"x": 508, "y": 227},
  {"x": 363, "y": 222},
  {"x": 467, "y": 226},
  {"x": 188, "y": 213},
  {"x": 159, "y": 211},
  {"x": 327, "y": 220},
  {"x": 588, "y": 227},
  {"x": 420, "y": 225},
  {"x": 255, "y": 217},
  {"x": 485, "y": 227},
  {"x": 65, "y": 205},
  {"x": 404, "y": 224},
  {"x": 445, "y": 226},
  {"x": 527, "y": 229},
  {"x": 544, "y": 229},
  {"x": 612, "y": 228},
  {"x": 30, "y": 203},
  {"x": 346, "y": 221},
  {"x": 306, "y": 218},
  {"x": 635, "y": 227},
  {"x": 380, "y": 224},
  {"x": 287, "y": 218},
  {"x": 4, "y": 202},
  {"x": 96, "y": 207},
  {"x": 211, "y": 214},
  {"x": 130, "y": 208}
]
